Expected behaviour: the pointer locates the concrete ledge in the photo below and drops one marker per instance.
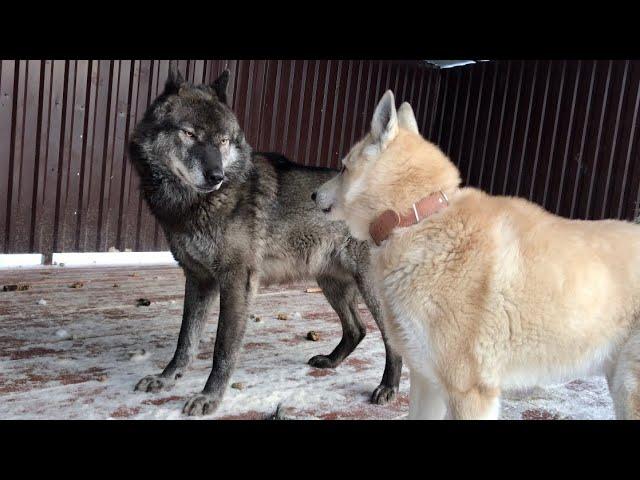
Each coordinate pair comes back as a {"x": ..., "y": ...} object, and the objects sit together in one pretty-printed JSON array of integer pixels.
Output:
[
  {"x": 17, "y": 260},
  {"x": 113, "y": 258}
]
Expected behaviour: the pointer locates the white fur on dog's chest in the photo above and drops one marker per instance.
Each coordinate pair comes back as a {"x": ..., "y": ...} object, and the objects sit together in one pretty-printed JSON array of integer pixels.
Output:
[
  {"x": 410, "y": 337},
  {"x": 407, "y": 325}
]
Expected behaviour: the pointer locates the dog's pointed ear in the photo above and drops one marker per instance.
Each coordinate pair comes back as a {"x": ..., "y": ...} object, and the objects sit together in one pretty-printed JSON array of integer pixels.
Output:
[
  {"x": 219, "y": 86},
  {"x": 407, "y": 119},
  {"x": 174, "y": 80},
  {"x": 384, "y": 125}
]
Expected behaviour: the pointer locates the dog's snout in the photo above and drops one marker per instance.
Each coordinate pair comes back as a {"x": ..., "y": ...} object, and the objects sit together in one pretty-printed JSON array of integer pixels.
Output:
[{"x": 323, "y": 199}]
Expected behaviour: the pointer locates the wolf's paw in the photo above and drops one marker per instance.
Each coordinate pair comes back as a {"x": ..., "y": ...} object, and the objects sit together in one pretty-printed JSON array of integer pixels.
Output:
[
  {"x": 154, "y": 383},
  {"x": 383, "y": 395},
  {"x": 322, "y": 361},
  {"x": 201, "y": 404}
]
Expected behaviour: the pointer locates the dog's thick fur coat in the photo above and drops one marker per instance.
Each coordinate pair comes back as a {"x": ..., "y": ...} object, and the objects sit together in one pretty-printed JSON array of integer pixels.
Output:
[
  {"x": 235, "y": 219},
  {"x": 491, "y": 292}
]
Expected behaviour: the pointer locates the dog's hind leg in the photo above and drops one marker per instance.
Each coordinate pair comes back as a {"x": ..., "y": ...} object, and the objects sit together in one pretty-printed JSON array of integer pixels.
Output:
[
  {"x": 198, "y": 298},
  {"x": 390, "y": 382},
  {"x": 342, "y": 295},
  {"x": 624, "y": 380}
]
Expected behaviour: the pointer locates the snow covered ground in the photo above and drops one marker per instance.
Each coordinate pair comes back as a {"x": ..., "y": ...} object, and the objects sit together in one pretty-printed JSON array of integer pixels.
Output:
[{"x": 78, "y": 355}]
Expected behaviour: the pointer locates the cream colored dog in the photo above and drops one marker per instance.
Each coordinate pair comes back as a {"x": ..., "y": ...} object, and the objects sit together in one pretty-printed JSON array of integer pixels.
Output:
[{"x": 488, "y": 292}]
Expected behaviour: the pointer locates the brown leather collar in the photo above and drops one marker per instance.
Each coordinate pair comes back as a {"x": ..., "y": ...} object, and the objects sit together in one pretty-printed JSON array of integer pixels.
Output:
[{"x": 387, "y": 221}]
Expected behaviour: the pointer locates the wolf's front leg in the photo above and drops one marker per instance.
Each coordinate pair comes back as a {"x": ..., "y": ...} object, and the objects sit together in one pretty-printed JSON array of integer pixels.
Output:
[
  {"x": 198, "y": 298},
  {"x": 236, "y": 294}
]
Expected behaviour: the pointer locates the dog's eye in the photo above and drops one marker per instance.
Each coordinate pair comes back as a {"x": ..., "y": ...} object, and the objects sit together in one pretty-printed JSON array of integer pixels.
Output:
[
  {"x": 188, "y": 133},
  {"x": 224, "y": 141}
]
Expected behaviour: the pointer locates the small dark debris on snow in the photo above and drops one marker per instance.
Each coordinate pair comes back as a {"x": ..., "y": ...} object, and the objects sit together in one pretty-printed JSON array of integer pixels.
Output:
[
  {"x": 134, "y": 274},
  {"x": 143, "y": 302},
  {"x": 115, "y": 285},
  {"x": 283, "y": 316},
  {"x": 20, "y": 287},
  {"x": 238, "y": 385},
  {"x": 139, "y": 354},
  {"x": 77, "y": 285},
  {"x": 255, "y": 318},
  {"x": 280, "y": 413},
  {"x": 313, "y": 336}
]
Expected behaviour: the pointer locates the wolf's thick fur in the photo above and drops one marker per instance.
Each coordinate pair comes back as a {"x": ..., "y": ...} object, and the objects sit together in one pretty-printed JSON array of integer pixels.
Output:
[
  {"x": 235, "y": 219},
  {"x": 492, "y": 292}
]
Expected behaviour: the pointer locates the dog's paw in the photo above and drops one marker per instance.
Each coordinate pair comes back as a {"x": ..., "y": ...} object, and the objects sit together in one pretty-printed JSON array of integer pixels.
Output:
[
  {"x": 201, "y": 404},
  {"x": 383, "y": 395},
  {"x": 322, "y": 361},
  {"x": 154, "y": 383}
]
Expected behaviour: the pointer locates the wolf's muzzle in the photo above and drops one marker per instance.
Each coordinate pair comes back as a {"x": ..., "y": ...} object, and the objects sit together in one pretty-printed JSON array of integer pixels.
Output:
[{"x": 213, "y": 177}]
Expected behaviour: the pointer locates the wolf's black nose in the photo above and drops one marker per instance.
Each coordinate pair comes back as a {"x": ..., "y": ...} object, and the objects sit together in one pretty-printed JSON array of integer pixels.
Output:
[
  {"x": 313, "y": 196},
  {"x": 214, "y": 177}
]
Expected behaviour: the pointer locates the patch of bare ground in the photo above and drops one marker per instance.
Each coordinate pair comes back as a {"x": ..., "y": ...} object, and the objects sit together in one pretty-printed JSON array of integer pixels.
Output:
[
  {"x": 321, "y": 372},
  {"x": 125, "y": 412},
  {"x": 539, "y": 414},
  {"x": 162, "y": 401}
]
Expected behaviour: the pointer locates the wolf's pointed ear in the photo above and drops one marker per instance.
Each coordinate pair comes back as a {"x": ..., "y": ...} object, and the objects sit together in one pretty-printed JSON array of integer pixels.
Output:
[
  {"x": 384, "y": 125},
  {"x": 174, "y": 80},
  {"x": 219, "y": 86},
  {"x": 407, "y": 119}
]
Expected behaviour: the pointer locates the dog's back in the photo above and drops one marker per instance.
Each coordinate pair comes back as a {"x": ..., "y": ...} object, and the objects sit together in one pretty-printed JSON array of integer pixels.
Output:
[{"x": 540, "y": 299}]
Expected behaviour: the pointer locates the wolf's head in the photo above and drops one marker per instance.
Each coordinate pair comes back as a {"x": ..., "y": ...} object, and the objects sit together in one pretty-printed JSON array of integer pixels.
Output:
[
  {"x": 189, "y": 138},
  {"x": 390, "y": 168}
]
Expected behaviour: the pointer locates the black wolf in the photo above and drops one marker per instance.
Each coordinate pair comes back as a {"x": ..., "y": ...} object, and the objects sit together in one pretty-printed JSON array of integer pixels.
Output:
[{"x": 235, "y": 219}]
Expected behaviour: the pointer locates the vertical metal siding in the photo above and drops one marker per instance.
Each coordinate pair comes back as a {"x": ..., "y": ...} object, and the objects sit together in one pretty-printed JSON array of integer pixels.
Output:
[
  {"x": 560, "y": 133},
  {"x": 65, "y": 181}
]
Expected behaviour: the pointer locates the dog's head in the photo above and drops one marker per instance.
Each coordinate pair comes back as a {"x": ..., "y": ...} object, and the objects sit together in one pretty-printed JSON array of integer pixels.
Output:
[
  {"x": 390, "y": 168},
  {"x": 190, "y": 135}
]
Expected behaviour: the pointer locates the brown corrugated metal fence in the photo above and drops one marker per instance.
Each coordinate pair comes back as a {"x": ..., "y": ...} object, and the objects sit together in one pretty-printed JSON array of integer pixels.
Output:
[
  {"x": 65, "y": 182},
  {"x": 562, "y": 133}
]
